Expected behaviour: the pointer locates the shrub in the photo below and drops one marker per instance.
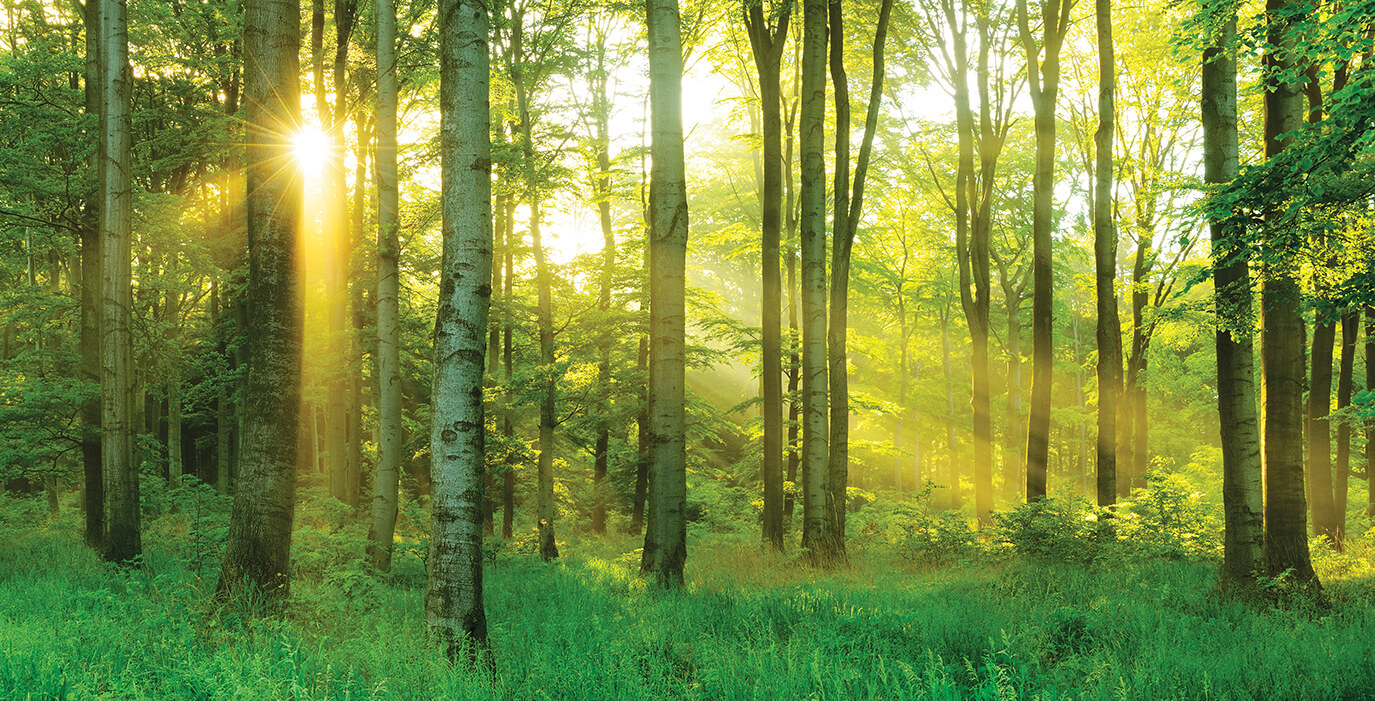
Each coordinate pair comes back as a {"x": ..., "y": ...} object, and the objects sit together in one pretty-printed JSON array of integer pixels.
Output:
[
  {"x": 1170, "y": 518},
  {"x": 1058, "y": 530}
]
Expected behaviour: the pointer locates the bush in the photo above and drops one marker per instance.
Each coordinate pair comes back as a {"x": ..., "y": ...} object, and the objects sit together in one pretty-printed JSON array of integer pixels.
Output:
[
  {"x": 1169, "y": 518},
  {"x": 1057, "y": 530}
]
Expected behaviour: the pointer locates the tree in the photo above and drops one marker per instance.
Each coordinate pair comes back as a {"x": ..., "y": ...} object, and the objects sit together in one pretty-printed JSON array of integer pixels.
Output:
[
  {"x": 91, "y": 299},
  {"x": 123, "y": 540},
  {"x": 453, "y": 599},
  {"x": 665, "y": 549},
  {"x": 258, "y": 549},
  {"x": 812, "y": 200},
  {"x": 1044, "y": 80},
  {"x": 1109, "y": 329},
  {"x": 1282, "y": 326},
  {"x": 1243, "y": 535},
  {"x": 848, "y": 205},
  {"x": 767, "y": 44},
  {"x": 388, "y": 291}
]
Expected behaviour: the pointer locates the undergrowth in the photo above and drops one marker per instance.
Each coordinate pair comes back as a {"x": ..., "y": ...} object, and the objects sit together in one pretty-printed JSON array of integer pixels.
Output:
[{"x": 930, "y": 611}]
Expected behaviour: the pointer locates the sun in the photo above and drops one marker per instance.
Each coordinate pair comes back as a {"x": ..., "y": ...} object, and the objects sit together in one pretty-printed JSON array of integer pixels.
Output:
[{"x": 311, "y": 148}]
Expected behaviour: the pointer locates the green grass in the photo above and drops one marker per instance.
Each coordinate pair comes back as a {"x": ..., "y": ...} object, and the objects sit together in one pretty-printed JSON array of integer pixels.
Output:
[{"x": 749, "y": 626}]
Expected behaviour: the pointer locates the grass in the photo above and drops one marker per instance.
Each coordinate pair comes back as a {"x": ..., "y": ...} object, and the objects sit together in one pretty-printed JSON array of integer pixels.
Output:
[{"x": 749, "y": 626}]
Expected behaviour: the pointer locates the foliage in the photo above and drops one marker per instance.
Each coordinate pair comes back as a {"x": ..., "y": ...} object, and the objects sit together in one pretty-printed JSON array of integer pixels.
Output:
[
  {"x": 1069, "y": 530},
  {"x": 749, "y": 626}
]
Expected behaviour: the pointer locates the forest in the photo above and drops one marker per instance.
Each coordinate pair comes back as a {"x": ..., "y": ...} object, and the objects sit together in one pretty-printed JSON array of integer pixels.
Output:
[{"x": 687, "y": 349}]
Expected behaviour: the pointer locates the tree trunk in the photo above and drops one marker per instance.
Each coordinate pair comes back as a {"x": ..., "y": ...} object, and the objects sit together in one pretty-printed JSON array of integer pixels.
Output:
[
  {"x": 1109, "y": 329},
  {"x": 453, "y": 600},
  {"x": 952, "y": 449},
  {"x": 1244, "y": 534},
  {"x": 91, "y": 304},
  {"x": 1282, "y": 332},
  {"x": 767, "y": 46},
  {"x": 349, "y": 408},
  {"x": 813, "y": 249},
  {"x": 259, "y": 541},
  {"x": 118, "y": 430},
  {"x": 508, "y": 429},
  {"x": 1044, "y": 81},
  {"x": 665, "y": 549},
  {"x": 1370, "y": 429},
  {"x": 390, "y": 427},
  {"x": 1015, "y": 441},
  {"x": 1342, "y": 475},
  {"x": 545, "y": 507},
  {"x": 601, "y": 183}
]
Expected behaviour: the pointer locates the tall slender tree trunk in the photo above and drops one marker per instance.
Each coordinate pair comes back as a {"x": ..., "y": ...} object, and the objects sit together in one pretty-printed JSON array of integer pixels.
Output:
[
  {"x": 118, "y": 430},
  {"x": 1015, "y": 440},
  {"x": 1282, "y": 333},
  {"x": 848, "y": 206},
  {"x": 813, "y": 249},
  {"x": 1244, "y": 517},
  {"x": 952, "y": 450},
  {"x": 349, "y": 408},
  {"x": 545, "y": 507},
  {"x": 1370, "y": 429},
  {"x": 665, "y": 549},
  {"x": 388, "y": 478},
  {"x": 259, "y": 542},
  {"x": 1342, "y": 476},
  {"x": 601, "y": 183},
  {"x": 767, "y": 47},
  {"x": 453, "y": 600},
  {"x": 1044, "y": 81},
  {"x": 1320, "y": 495},
  {"x": 508, "y": 429},
  {"x": 91, "y": 300},
  {"x": 794, "y": 332},
  {"x": 1109, "y": 328}
]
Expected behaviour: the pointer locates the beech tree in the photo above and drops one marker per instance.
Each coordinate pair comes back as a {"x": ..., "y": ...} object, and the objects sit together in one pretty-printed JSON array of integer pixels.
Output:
[
  {"x": 453, "y": 600},
  {"x": 665, "y": 549},
  {"x": 1043, "y": 77},
  {"x": 1243, "y": 542},
  {"x": 258, "y": 550},
  {"x": 388, "y": 291},
  {"x": 123, "y": 540}
]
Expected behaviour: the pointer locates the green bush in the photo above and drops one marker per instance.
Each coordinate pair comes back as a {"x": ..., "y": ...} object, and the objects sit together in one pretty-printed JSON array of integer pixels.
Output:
[
  {"x": 1070, "y": 530},
  {"x": 1170, "y": 518}
]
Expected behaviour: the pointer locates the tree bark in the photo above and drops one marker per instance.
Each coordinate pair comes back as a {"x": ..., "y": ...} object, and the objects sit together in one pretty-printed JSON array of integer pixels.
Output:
[
  {"x": 390, "y": 427},
  {"x": 1044, "y": 81},
  {"x": 767, "y": 45},
  {"x": 91, "y": 301},
  {"x": 118, "y": 430},
  {"x": 1282, "y": 333},
  {"x": 665, "y": 549},
  {"x": 813, "y": 293},
  {"x": 546, "y": 509},
  {"x": 1109, "y": 328},
  {"x": 848, "y": 206},
  {"x": 1244, "y": 535},
  {"x": 453, "y": 600},
  {"x": 1342, "y": 475},
  {"x": 259, "y": 542}
]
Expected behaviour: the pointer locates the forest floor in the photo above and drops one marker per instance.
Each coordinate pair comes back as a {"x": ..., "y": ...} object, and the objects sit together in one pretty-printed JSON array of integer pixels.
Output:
[{"x": 750, "y": 625}]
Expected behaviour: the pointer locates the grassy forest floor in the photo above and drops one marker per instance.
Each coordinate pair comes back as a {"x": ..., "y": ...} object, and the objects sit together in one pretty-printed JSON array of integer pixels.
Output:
[{"x": 749, "y": 626}]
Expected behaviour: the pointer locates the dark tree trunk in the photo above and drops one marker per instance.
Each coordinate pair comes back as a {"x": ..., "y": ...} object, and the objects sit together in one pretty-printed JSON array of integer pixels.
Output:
[
  {"x": 259, "y": 543},
  {"x": 767, "y": 45},
  {"x": 1044, "y": 80},
  {"x": 1282, "y": 334},
  {"x": 1109, "y": 329}
]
